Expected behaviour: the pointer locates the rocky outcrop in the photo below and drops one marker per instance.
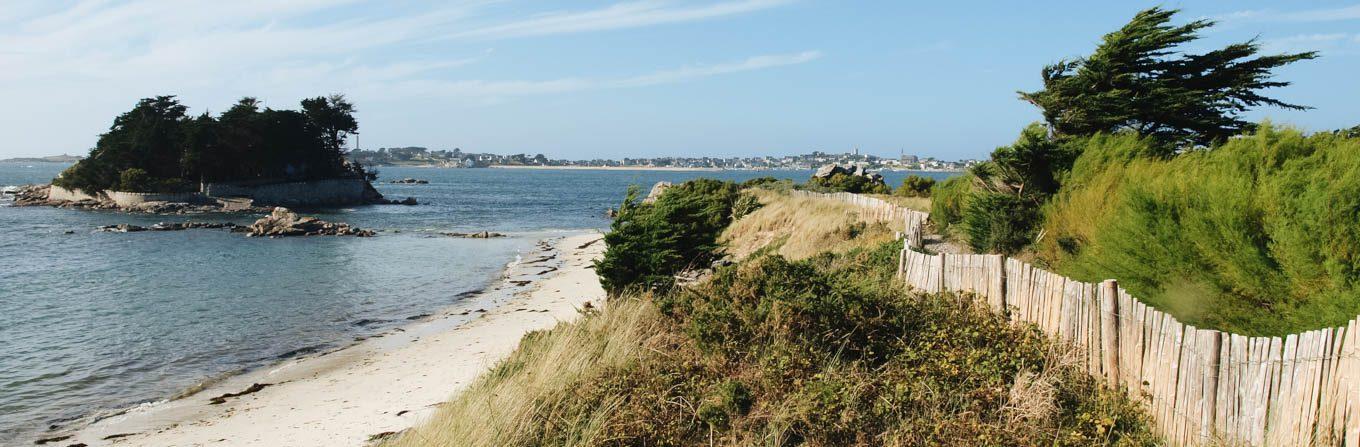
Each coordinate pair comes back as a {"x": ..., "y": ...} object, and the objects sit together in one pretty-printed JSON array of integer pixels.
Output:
[
  {"x": 826, "y": 172},
  {"x": 170, "y": 226},
  {"x": 410, "y": 181},
  {"x": 479, "y": 235},
  {"x": 28, "y": 195},
  {"x": 657, "y": 190},
  {"x": 283, "y": 222}
]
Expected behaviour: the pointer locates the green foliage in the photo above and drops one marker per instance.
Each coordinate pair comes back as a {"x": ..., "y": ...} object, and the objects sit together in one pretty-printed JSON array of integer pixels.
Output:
[
  {"x": 999, "y": 223},
  {"x": 746, "y": 203},
  {"x": 1137, "y": 80},
  {"x": 858, "y": 184},
  {"x": 649, "y": 243},
  {"x": 1256, "y": 236},
  {"x": 828, "y": 351},
  {"x": 915, "y": 186},
  {"x": 170, "y": 150},
  {"x": 948, "y": 200}
]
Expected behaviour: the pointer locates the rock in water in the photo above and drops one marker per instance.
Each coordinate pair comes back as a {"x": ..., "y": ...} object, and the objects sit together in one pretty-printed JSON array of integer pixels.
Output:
[
  {"x": 284, "y": 222},
  {"x": 657, "y": 189}
]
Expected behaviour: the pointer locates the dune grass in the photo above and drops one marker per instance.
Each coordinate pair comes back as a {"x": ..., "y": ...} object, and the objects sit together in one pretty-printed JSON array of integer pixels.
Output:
[
  {"x": 800, "y": 227},
  {"x": 826, "y": 351}
]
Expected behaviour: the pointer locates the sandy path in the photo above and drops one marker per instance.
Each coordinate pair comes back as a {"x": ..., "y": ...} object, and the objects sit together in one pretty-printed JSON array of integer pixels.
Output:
[{"x": 380, "y": 385}]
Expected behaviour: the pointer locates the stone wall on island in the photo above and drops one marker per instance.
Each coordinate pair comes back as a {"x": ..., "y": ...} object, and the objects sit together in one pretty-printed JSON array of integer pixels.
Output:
[{"x": 343, "y": 191}]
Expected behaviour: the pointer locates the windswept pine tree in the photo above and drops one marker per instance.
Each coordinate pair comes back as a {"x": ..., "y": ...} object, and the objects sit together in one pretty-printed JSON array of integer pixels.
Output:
[{"x": 1139, "y": 79}]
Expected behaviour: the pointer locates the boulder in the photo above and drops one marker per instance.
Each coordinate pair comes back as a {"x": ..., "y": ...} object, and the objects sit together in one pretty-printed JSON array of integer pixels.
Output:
[
  {"x": 284, "y": 222},
  {"x": 409, "y": 201},
  {"x": 478, "y": 235},
  {"x": 657, "y": 189}
]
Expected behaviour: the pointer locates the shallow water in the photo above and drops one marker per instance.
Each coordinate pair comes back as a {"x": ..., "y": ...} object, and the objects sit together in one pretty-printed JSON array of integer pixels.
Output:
[{"x": 94, "y": 322}]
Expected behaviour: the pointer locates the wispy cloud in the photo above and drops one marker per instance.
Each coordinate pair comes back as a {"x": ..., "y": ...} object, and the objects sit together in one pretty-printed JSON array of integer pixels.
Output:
[
  {"x": 618, "y": 16},
  {"x": 1308, "y": 15},
  {"x": 1325, "y": 42},
  {"x": 79, "y": 62},
  {"x": 498, "y": 90}
]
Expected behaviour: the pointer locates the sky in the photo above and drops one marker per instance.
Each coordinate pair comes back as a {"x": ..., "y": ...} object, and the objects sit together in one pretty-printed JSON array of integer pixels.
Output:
[{"x": 611, "y": 79}]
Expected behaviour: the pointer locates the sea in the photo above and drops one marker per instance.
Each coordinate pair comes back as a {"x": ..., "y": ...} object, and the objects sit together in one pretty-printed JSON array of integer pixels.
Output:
[{"x": 94, "y": 322}]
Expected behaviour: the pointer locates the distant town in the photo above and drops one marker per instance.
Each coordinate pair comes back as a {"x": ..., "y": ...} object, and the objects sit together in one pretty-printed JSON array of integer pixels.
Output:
[{"x": 456, "y": 158}]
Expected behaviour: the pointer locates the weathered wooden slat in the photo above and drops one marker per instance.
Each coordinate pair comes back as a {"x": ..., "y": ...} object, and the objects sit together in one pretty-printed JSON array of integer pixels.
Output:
[{"x": 1109, "y": 330}]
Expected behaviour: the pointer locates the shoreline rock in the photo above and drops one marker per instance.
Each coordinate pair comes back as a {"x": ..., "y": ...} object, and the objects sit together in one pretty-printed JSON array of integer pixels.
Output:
[
  {"x": 410, "y": 181},
  {"x": 283, "y": 222},
  {"x": 478, "y": 235}
]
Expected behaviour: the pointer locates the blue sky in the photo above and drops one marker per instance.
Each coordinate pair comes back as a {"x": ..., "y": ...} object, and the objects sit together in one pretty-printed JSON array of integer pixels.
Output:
[{"x": 586, "y": 79}]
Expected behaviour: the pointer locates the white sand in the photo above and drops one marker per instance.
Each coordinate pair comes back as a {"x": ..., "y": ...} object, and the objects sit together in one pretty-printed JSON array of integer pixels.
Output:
[{"x": 380, "y": 385}]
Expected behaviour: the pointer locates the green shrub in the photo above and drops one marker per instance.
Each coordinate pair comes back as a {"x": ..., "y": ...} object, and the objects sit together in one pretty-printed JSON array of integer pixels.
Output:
[
  {"x": 746, "y": 203},
  {"x": 999, "y": 223},
  {"x": 948, "y": 199},
  {"x": 915, "y": 186},
  {"x": 649, "y": 243},
  {"x": 857, "y": 184},
  {"x": 1255, "y": 236}
]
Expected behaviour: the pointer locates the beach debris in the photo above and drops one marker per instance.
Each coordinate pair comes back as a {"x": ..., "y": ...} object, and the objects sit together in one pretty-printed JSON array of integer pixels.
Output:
[
  {"x": 399, "y": 413},
  {"x": 410, "y": 181},
  {"x": 255, "y": 388},
  {"x": 45, "y": 441},
  {"x": 587, "y": 244},
  {"x": 116, "y": 436},
  {"x": 283, "y": 222},
  {"x": 477, "y": 235},
  {"x": 417, "y": 317}
]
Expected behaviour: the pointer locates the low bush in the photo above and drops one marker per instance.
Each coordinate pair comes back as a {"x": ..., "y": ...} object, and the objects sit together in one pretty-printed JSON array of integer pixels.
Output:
[
  {"x": 1254, "y": 236},
  {"x": 648, "y": 243},
  {"x": 915, "y": 186}
]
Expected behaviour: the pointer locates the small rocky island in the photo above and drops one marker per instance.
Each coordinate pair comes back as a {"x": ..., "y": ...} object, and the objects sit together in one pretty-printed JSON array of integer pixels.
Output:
[
  {"x": 158, "y": 158},
  {"x": 284, "y": 222}
]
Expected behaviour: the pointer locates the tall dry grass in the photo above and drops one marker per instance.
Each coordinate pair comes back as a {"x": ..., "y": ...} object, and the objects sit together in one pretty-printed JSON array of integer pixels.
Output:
[
  {"x": 509, "y": 404},
  {"x": 800, "y": 227}
]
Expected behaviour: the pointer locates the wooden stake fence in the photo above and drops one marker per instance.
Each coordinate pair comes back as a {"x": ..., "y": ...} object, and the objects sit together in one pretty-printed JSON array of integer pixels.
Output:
[{"x": 1201, "y": 386}]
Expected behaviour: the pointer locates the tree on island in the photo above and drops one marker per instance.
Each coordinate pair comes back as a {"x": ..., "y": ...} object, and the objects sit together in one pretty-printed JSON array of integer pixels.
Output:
[
  {"x": 1138, "y": 80},
  {"x": 157, "y": 147}
]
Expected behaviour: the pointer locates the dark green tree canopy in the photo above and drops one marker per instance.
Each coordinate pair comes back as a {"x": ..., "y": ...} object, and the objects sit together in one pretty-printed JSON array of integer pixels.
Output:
[
  {"x": 1137, "y": 79},
  {"x": 158, "y": 147}
]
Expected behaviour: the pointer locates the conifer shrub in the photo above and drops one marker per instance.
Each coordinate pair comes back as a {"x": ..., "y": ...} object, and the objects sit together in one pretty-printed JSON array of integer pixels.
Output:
[
  {"x": 648, "y": 243},
  {"x": 915, "y": 186}
]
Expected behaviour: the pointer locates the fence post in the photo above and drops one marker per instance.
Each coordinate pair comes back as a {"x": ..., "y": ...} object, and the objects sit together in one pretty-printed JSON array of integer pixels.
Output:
[{"x": 1109, "y": 329}]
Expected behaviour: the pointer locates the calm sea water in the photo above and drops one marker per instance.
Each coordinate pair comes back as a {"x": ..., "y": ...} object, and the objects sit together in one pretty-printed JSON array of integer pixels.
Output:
[{"x": 92, "y": 322}]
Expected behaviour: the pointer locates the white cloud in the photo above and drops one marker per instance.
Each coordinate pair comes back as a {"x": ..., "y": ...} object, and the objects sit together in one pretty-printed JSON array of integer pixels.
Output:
[
  {"x": 69, "y": 66},
  {"x": 1309, "y": 15},
  {"x": 498, "y": 90},
  {"x": 1308, "y": 42},
  {"x": 618, "y": 16}
]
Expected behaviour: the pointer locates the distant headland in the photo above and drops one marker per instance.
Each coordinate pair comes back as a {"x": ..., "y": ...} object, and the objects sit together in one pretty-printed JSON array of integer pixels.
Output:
[{"x": 48, "y": 159}]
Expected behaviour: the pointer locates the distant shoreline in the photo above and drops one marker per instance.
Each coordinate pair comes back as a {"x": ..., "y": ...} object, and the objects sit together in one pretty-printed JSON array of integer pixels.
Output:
[{"x": 608, "y": 168}]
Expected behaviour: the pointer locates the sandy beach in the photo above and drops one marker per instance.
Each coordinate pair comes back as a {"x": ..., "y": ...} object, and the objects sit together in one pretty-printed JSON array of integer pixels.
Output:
[{"x": 379, "y": 385}]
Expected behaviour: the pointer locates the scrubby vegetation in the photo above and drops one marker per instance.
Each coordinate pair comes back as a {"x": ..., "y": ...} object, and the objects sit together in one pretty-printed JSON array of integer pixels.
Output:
[
  {"x": 826, "y": 351},
  {"x": 800, "y": 227},
  {"x": 648, "y": 243},
  {"x": 158, "y": 147},
  {"x": 1256, "y": 236},
  {"x": 1145, "y": 172},
  {"x": 915, "y": 186}
]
